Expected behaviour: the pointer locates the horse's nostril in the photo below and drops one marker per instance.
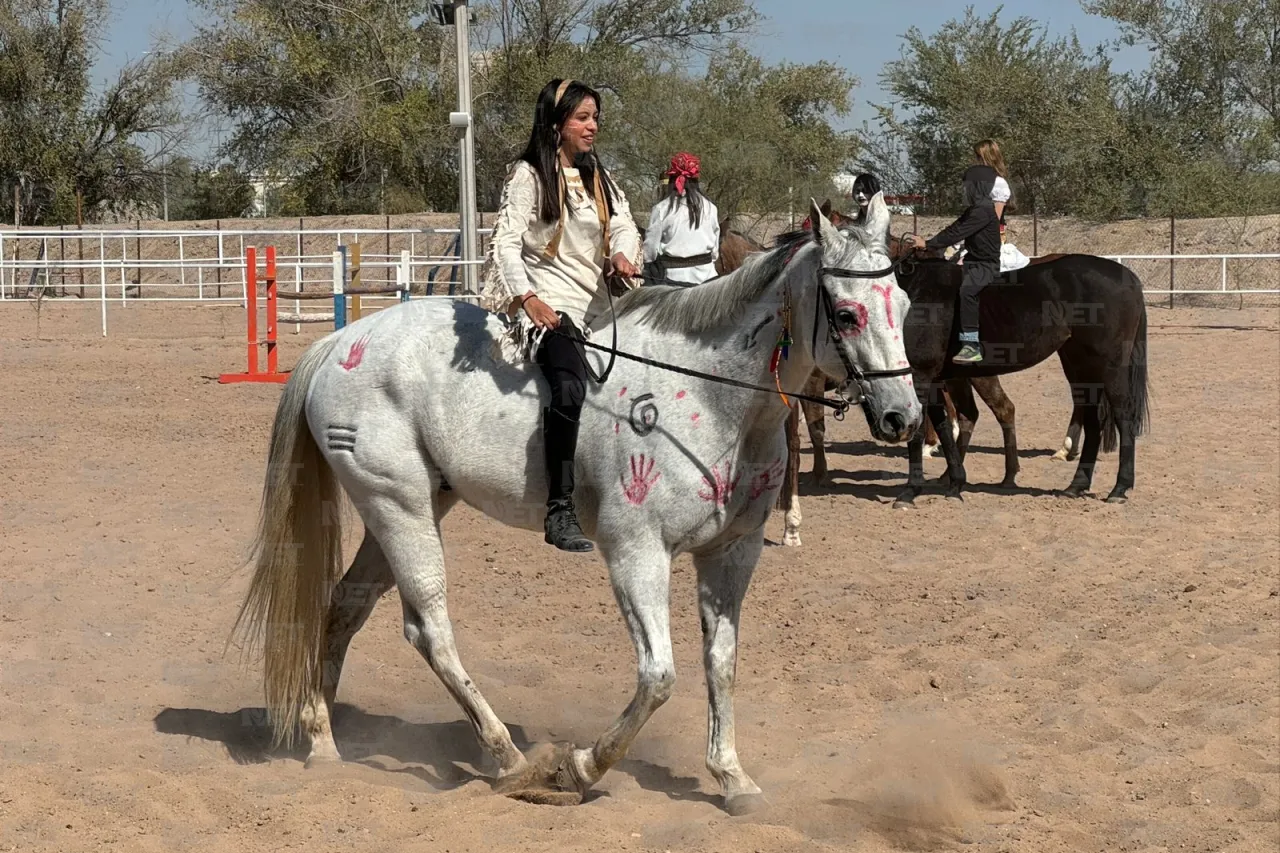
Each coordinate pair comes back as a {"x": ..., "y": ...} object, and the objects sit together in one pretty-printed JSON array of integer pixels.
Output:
[{"x": 893, "y": 423}]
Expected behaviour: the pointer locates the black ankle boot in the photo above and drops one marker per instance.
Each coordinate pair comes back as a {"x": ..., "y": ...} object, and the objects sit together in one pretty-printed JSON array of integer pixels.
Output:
[{"x": 560, "y": 438}]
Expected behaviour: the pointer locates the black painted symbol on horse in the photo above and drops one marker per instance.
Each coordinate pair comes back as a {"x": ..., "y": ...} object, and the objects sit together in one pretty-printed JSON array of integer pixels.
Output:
[
  {"x": 342, "y": 438},
  {"x": 644, "y": 414}
]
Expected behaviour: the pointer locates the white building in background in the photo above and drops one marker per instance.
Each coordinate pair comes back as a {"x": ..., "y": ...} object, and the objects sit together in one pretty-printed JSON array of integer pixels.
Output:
[{"x": 263, "y": 186}]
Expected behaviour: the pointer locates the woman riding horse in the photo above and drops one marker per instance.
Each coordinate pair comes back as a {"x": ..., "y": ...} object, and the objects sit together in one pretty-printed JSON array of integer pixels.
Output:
[{"x": 563, "y": 227}]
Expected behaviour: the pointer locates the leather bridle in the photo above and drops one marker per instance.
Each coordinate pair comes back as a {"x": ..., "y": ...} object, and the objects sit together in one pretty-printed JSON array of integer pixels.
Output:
[{"x": 833, "y": 332}]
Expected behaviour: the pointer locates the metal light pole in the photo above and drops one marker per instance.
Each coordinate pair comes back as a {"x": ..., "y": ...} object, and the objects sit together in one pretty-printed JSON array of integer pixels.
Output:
[{"x": 467, "y": 151}]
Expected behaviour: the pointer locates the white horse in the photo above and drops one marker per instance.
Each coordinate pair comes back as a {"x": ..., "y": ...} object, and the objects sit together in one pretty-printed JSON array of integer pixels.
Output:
[{"x": 408, "y": 411}]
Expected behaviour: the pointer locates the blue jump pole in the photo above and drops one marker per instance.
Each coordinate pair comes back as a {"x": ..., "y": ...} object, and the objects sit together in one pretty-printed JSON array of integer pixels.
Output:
[{"x": 339, "y": 288}]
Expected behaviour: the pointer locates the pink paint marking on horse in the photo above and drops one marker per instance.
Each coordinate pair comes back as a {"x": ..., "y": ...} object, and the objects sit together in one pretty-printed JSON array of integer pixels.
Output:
[
  {"x": 623, "y": 392},
  {"x": 859, "y": 313},
  {"x": 720, "y": 490},
  {"x": 694, "y": 417},
  {"x": 356, "y": 354},
  {"x": 642, "y": 479},
  {"x": 680, "y": 395},
  {"x": 767, "y": 480},
  {"x": 886, "y": 291}
]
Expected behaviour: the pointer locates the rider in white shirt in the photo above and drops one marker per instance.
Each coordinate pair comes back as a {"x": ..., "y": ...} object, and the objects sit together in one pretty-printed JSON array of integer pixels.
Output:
[{"x": 682, "y": 242}]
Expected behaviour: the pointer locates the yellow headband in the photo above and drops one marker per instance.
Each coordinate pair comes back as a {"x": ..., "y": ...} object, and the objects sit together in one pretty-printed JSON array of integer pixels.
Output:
[{"x": 560, "y": 92}]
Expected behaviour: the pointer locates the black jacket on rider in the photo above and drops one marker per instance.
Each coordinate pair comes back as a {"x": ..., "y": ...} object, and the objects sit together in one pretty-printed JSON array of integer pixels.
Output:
[{"x": 978, "y": 226}]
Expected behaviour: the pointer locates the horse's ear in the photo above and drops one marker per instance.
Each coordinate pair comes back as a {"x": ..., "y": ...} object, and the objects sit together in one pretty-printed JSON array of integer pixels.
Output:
[
  {"x": 878, "y": 221},
  {"x": 824, "y": 233},
  {"x": 826, "y": 208}
]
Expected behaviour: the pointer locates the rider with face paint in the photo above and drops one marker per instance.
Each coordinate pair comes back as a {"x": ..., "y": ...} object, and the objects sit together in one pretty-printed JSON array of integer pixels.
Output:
[
  {"x": 865, "y": 186},
  {"x": 564, "y": 227}
]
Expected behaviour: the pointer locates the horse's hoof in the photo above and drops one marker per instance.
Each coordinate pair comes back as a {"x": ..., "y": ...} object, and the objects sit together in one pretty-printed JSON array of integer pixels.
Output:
[
  {"x": 1074, "y": 492},
  {"x": 955, "y": 496},
  {"x": 1117, "y": 498},
  {"x": 539, "y": 797},
  {"x": 745, "y": 804},
  {"x": 1008, "y": 483},
  {"x": 791, "y": 540},
  {"x": 547, "y": 779},
  {"x": 904, "y": 503},
  {"x": 322, "y": 759},
  {"x": 1060, "y": 456}
]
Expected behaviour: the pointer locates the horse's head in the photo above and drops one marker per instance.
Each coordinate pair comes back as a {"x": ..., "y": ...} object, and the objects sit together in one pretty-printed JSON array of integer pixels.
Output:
[{"x": 861, "y": 326}]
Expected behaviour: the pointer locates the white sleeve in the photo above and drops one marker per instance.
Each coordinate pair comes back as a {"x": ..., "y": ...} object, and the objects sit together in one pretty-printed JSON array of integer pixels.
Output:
[
  {"x": 519, "y": 205},
  {"x": 653, "y": 234},
  {"x": 1000, "y": 193},
  {"x": 624, "y": 236}
]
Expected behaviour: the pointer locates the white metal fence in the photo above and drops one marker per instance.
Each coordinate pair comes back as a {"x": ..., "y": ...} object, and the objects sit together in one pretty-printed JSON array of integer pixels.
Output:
[{"x": 207, "y": 266}]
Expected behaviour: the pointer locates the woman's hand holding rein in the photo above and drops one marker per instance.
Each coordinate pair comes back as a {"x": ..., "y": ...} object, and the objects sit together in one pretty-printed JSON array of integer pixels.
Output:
[{"x": 539, "y": 312}]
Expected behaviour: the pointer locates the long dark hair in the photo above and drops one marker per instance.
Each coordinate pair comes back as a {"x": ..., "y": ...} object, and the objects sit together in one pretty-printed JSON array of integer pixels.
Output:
[
  {"x": 542, "y": 151},
  {"x": 693, "y": 197}
]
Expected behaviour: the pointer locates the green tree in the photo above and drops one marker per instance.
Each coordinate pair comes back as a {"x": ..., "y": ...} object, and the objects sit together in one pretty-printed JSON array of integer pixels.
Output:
[
  {"x": 347, "y": 100},
  {"x": 759, "y": 130},
  {"x": 1215, "y": 66},
  {"x": 58, "y": 140},
  {"x": 1050, "y": 104}
]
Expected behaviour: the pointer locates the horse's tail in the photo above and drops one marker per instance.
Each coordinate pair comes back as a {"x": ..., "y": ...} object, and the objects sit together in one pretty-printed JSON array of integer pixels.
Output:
[
  {"x": 1136, "y": 412},
  {"x": 298, "y": 551}
]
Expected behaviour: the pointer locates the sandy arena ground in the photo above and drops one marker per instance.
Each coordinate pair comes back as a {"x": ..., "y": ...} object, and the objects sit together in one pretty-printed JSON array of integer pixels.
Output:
[{"x": 1017, "y": 672}]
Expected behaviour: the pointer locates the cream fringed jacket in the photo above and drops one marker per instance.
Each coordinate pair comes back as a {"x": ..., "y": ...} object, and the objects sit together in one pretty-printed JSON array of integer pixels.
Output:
[{"x": 572, "y": 278}]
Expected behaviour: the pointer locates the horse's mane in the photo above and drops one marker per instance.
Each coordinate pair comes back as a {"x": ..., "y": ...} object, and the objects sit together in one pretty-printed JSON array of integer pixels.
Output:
[{"x": 710, "y": 305}]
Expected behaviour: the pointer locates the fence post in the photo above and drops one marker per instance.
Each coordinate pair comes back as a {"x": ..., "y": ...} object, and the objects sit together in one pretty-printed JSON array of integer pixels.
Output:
[
  {"x": 355, "y": 279},
  {"x": 1173, "y": 250},
  {"x": 339, "y": 295},
  {"x": 402, "y": 275},
  {"x": 217, "y": 223},
  {"x": 1035, "y": 229},
  {"x": 272, "y": 308},
  {"x": 251, "y": 302}
]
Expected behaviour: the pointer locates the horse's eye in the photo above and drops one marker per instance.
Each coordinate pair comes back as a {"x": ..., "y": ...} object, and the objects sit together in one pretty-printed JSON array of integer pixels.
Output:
[{"x": 845, "y": 318}]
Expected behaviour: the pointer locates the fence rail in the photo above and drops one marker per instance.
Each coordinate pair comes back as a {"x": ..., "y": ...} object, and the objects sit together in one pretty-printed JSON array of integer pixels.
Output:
[
  {"x": 207, "y": 266},
  {"x": 204, "y": 265}
]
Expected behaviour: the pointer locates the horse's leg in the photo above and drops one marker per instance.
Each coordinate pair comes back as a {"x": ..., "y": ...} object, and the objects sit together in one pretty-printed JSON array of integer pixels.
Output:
[
  {"x": 353, "y": 600},
  {"x": 961, "y": 406},
  {"x": 931, "y": 444},
  {"x": 1071, "y": 442},
  {"x": 413, "y": 548},
  {"x": 641, "y": 577},
  {"x": 816, "y": 419},
  {"x": 723, "y": 578},
  {"x": 1085, "y": 392},
  {"x": 955, "y": 466},
  {"x": 1122, "y": 405},
  {"x": 789, "y": 495},
  {"x": 915, "y": 456},
  {"x": 991, "y": 392}
]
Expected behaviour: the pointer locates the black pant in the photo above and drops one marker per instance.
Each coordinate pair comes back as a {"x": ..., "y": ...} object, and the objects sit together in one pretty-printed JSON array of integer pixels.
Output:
[
  {"x": 977, "y": 275},
  {"x": 563, "y": 363}
]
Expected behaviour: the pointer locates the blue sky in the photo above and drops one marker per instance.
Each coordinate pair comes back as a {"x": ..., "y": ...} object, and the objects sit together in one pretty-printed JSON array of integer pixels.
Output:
[{"x": 860, "y": 36}]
